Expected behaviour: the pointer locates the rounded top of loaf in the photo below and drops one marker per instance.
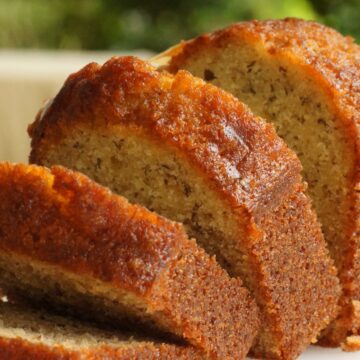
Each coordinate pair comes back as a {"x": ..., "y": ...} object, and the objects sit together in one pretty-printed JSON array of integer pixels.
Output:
[
  {"x": 240, "y": 153},
  {"x": 331, "y": 58}
]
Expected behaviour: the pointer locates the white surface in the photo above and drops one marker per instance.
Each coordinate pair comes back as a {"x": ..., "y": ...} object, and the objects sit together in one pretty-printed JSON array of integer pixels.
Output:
[
  {"x": 319, "y": 353},
  {"x": 31, "y": 64}
]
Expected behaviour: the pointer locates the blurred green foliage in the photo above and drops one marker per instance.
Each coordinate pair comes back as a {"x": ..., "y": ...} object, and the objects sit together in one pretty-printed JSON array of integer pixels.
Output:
[{"x": 151, "y": 24}]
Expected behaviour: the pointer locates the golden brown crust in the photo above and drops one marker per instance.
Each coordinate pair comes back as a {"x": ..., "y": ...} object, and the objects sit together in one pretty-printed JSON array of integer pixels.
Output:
[
  {"x": 19, "y": 349},
  {"x": 64, "y": 219},
  {"x": 334, "y": 61},
  {"x": 212, "y": 136},
  {"x": 352, "y": 343}
]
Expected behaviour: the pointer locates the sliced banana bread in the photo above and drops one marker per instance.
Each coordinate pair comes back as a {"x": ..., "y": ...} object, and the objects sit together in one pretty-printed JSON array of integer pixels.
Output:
[
  {"x": 29, "y": 334},
  {"x": 304, "y": 78},
  {"x": 69, "y": 242},
  {"x": 194, "y": 153}
]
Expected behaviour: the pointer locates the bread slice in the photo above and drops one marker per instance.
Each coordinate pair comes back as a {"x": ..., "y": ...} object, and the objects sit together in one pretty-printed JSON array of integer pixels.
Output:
[
  {"x": 304, "y": 78},
  {"x": 195, "y": 154},
  {"x": 30, "y": 334},
  {"x": 68, "y": 242}
]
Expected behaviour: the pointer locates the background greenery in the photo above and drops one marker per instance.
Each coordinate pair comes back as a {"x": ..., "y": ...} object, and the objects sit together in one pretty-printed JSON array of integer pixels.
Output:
[{"x": 151, "y": 24}]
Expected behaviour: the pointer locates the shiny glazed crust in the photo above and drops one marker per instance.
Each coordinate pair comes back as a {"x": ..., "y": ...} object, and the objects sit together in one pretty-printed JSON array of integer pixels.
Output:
[
  {"x": 63, "y": 219},
  {"x": 334, "y": 61},
  {"x": 239, "y": 156},
  {"x": 18, "y": 349},
  {"x": 225, "y": 148}
]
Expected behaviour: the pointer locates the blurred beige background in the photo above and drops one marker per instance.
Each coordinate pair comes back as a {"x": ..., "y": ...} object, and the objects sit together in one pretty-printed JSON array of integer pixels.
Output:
[
  {"x": 84, "y": 31},
  {"x": 27, "y": 79}
]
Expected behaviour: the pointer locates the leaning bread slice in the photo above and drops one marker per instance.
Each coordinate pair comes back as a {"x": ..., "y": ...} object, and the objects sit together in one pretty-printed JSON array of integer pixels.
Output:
[
  {"x": 68, "y": 242},
  {"x": 29, "y": 334},
  {"x": 304, "y": 78},
  {"x": 194, "y": 153}
]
